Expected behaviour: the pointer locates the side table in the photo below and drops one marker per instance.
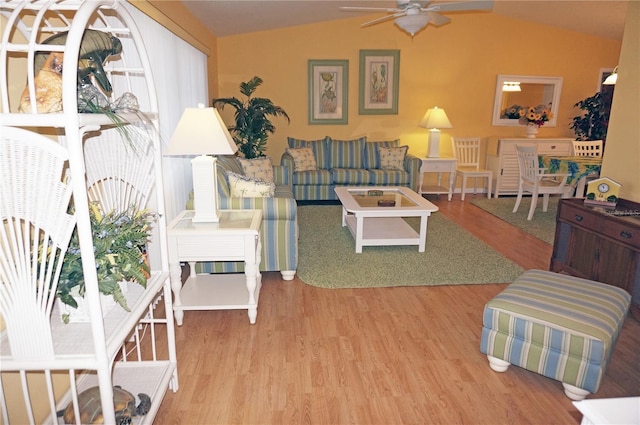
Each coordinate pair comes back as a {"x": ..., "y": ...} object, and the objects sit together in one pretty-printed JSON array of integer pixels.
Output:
[
  {"x": 235, "y": 238},
  {"x": 438, "y": 165}
]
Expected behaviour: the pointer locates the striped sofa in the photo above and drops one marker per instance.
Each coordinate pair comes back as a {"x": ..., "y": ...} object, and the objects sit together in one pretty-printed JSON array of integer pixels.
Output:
[
  {"x": 560, "y": 326},
  {"x": 279, "y": 230},
  {"x": 347, "y": 163}
]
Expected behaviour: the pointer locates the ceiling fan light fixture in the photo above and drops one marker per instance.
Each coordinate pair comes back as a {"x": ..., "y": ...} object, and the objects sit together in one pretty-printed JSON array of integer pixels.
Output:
[{"x": 412, "y": 23}]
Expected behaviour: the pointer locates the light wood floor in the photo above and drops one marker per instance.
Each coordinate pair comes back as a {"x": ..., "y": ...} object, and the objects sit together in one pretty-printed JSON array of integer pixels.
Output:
[{"x": 374, "y": 356}]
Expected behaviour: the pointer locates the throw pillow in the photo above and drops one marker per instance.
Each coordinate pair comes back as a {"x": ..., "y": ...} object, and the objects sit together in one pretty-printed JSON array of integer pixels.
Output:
[
  {"x": 258, "y": 168},
  {"x": 303, "y": 159},
  {"x": 244, "y": 187},
  {"x": 392, "y": 158}
]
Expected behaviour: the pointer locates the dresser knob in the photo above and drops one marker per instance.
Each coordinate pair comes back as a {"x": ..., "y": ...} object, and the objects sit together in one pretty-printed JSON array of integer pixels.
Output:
[
  {"x": 579, "y": 217},
  {"x": 626, "y": 235}
]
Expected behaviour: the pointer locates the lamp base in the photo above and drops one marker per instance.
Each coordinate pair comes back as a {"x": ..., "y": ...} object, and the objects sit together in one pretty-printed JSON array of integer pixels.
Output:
[
  {"x": 205, "y": 189},
  {"x": 434, "y": 143}
]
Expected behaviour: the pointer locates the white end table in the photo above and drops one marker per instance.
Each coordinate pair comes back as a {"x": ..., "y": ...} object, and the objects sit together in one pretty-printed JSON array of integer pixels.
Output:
[
  {"x": 438, "y": 165},
  {"x": 607, "y": 411},
  {"x": 235, "y": 238}
]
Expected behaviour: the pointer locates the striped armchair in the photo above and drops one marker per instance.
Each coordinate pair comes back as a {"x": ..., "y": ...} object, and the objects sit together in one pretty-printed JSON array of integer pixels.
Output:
[
  {"x": 279, "y": 230},
  {"x": 347, "y": 163}
]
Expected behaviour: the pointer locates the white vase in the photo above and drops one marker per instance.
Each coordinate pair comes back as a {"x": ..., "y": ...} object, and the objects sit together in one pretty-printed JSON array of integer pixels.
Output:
[{"x": 531, "y": 130}]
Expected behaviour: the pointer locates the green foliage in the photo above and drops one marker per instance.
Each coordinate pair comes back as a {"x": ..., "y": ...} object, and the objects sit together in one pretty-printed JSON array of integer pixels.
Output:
[
  {"x": 119, "y": 240},
  {"x": 252, "y": 127},
  {"x": 594, "y": 122}
]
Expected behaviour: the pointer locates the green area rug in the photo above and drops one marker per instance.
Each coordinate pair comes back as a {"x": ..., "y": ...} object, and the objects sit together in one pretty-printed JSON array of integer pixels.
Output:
[
  {"x": 542, "y": 225},
  {"x": 327, "y": 256}
]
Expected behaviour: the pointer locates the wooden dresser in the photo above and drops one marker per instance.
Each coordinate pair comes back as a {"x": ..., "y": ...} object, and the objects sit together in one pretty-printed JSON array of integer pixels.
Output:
[
  {"x": 503, "y": 161},
  {"x": 600, "y": 244}
]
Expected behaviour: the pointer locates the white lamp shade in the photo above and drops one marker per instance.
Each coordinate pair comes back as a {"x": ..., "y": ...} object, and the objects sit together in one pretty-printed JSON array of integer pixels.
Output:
[
  {"x": 435, "y": 118},
  {"x": 201, "y": 131},
  {"x": 412, "y": 23},
  {"x": 612, "y": 79}
]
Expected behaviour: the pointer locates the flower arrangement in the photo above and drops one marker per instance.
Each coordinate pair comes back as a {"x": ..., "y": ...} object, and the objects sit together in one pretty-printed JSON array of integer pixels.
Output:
[
  {"x": 119, "y": 241},
  {"x": 528, "y": 115}
]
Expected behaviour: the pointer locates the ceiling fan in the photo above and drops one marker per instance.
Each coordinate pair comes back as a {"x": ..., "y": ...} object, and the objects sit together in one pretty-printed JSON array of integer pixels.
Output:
[{"x": 413, "y": 15}]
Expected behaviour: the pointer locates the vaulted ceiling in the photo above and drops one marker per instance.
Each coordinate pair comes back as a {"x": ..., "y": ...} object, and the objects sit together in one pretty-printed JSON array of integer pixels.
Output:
[{"x": 603, "y": 18}]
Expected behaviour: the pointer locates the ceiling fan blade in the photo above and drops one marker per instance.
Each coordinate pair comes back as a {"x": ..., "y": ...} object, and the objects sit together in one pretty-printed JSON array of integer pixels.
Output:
[
  {"x": 369, "y": 9},
  {"x": 382, "y": 19},
  {"x": 460, "y": 6},
  {"x": 437, "y": 19},
  {"x": 403, "y": 4}
]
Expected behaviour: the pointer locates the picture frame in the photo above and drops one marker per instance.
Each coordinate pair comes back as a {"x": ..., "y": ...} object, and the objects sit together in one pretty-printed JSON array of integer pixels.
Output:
[
  {"x": 379, "y": 82},
  {"x": 328, "y": 91}
]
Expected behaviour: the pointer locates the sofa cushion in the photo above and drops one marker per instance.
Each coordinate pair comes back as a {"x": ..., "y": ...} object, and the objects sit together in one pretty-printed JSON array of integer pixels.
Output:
[
  {"x": 321, "y": 177},
  {"x": 389, "y": 178},
  {"x": 320, "y": 149},
  {"x": 245, "y": 187},
  {"x": 225, "y": 164},
  {"x": 230, "y": 163},
  {"x": 392, "y": 158},
  {"x": 346, "y": 153},
  {"x": 371, "y": 159},
  {"x": 350, "y": 176},
  {"x": 257, "y": 168},
  {"x": 303, "y": 159}
]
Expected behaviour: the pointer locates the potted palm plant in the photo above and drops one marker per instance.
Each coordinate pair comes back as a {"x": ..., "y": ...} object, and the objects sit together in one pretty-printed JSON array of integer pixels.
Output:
[
  {"x": 119, "y": 240},
  {"x": 252, "y": 127},
  {"x": 593, "y": 122}
]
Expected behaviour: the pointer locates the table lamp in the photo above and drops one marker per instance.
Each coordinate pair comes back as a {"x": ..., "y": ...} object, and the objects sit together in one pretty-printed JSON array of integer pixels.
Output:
[
  {"x": 434, "y": 120},
  {"x": 202, "y": 132}
]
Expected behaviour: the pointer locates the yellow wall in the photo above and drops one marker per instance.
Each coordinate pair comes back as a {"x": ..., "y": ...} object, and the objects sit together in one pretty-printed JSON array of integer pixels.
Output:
[
  {"x": 454, "y": 67},
  {"x": 622, "y": 154}
]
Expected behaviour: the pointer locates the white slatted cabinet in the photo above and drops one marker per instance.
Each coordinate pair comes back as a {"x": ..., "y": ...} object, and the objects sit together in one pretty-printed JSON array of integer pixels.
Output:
[{"x": 503, "y": 161}]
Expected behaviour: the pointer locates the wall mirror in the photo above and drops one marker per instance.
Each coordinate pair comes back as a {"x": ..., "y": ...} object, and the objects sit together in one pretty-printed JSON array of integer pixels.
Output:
[{"x": 521, "y": 90}]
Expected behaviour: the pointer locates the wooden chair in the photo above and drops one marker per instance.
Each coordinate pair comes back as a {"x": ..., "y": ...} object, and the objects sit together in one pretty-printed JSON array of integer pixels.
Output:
[
  {"x": 591, "y": 148},
  {"x": 587, "y": 148},
  {"x": 534, "y": 180},
  {"x": 467, "y": 151}
]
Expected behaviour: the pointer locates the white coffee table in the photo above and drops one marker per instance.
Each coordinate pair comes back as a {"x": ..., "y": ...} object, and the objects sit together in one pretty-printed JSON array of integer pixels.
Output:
[{"x": 375, "y": 225}]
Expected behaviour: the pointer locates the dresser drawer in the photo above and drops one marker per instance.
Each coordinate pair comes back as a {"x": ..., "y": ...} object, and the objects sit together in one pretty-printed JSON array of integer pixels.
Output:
[
  {"x": 554, "y": 148},
  {"x": 626, "y": 234},
  {"x": 580, "y": 217}
]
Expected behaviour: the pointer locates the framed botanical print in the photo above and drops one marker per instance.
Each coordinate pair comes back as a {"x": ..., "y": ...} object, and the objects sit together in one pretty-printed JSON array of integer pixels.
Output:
[
  {"x": 328, "y": 91},
  {"x": 379, "y": 78}
]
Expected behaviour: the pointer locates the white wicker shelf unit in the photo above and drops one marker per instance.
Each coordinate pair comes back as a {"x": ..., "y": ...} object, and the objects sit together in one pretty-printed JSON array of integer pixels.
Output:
[{"x": 135, "y": 349}]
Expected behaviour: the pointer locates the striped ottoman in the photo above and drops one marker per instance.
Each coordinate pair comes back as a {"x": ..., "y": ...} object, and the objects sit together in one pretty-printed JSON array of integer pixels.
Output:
[{"x": 562, "y": 327}]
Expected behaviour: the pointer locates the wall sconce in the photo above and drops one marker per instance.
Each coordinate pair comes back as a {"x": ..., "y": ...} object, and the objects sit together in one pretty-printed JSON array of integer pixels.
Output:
[
  {"x": 511, "y": 86},
  {"x": 435, "y": 119},
  {"x": 202, "y": 132},
  {"x": 611, "y": 79}
]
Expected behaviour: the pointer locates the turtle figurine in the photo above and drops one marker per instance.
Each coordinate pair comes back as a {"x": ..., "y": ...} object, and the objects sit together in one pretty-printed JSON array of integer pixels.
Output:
[{"x": 124, "y": 404}]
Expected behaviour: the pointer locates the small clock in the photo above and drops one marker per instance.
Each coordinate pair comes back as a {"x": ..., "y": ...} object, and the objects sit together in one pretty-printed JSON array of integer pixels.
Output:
[{"x": 603, "y": 191}]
